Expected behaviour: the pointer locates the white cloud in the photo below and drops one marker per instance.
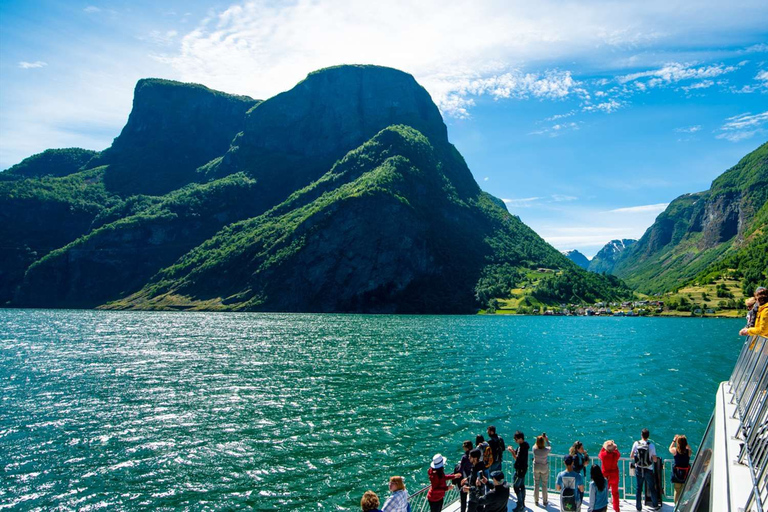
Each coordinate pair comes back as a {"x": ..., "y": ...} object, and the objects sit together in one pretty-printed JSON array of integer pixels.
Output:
[
  {"x": 675, "y": 72},
  {"x": 32, "y": 65},
  {"x": 559, "y": 198},
  {"x": 647, "y": 208},
  {"x": 495, "y": 48},
  {"x": 704, "y": 84},
  {"x": 607, "y": 107},
  {"x": 521, "y": 203},
  {"x": 689, "y": 129},
  {"x": 557, "y": 129},
  {"x": 92, "y": 9},
  {"x": 743, "y": 126}
]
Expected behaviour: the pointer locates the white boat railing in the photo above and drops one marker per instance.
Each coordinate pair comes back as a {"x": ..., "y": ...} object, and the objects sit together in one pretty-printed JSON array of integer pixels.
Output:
[
  {"x": 749, "y": 385},
  {"x": 627, "y": 484}
]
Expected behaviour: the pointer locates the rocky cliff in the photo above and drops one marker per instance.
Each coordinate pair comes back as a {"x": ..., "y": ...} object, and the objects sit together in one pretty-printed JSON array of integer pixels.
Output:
[
  {"x": 577, "y": 257},
  {"x": 606, "y": 258},
  {"x": 698, "y": 230}
]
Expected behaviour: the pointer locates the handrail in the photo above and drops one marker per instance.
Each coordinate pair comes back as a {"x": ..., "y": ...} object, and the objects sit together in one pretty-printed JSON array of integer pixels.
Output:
[
  {"x": 749, "y": 386},
  {"x": 418, "y": 499}
]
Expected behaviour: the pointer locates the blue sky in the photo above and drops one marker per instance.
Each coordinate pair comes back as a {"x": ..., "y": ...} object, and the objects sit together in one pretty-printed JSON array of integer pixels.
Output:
[{"x": 587, "y": 118}]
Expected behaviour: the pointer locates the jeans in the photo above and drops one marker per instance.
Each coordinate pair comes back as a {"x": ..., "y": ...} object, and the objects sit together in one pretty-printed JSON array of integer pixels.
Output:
[
  {"x": 540, "y": 478},
  {"x": 519, "y": 487},
  {"x": 646, "y": 476},
  {"x": 613, "y": 485},
  {"x": 463, "y": 496}
]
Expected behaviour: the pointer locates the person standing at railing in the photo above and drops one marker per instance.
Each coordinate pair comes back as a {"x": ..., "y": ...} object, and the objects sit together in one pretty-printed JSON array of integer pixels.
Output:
[
  {"x": 681, "y": 450},
  {"x": 644, "y": 454},
  {"x": 751, "y": 311},
  {"x": 497, "y": 499},
  {"x": 438, "y": 481},
  {"x": 570, "y": 485},
  {"x": 521, "y": 468},
  {"x": 465, "y": 468},
  {"x": 487, "y": 454},
  {"x": 580, "y": 458},
  {"x": 398, "y": 501},
  {"x": 598, "y": 491},
  {"x": 609, "y": 458},
  {"x": 496, "y": 443},
  {"x": 761, "y": 320},
  {"x": 541, "y": 451},
  {"x": 473, "y": 485},
  {"x": 370, "y": 502}
]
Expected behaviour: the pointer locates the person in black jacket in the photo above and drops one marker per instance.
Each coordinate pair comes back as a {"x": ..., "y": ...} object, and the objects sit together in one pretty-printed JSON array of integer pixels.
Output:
[
  {"x": 521, "y": 468},
  {"x": 498, "y": 448},
  {"x": 474, "y": 484},
  {"x": 497, "y": 499},
  {"x": 465, "y": 468}
]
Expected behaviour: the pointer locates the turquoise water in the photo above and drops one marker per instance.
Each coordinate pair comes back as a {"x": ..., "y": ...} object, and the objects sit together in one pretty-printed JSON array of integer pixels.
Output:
[{"x": 302, "y": 412}]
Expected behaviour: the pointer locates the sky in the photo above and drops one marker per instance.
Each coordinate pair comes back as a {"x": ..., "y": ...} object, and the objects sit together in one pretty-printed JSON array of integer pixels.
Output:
[{"x": 587, "y": 118}]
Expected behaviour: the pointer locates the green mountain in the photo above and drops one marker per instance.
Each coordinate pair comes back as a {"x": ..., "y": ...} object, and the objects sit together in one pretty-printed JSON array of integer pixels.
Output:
[
  {"x": 698, "y": 232},
  {"x": 342, "y": 194},
  {"x": 605, "y": 259},
  {"x": 51, "y": 162}
]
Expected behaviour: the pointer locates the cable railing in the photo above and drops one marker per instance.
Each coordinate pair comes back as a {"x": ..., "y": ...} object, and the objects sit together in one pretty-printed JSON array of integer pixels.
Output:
[
  {"x": 749, "y": 385},
  {"x": 627, "y": 482}
]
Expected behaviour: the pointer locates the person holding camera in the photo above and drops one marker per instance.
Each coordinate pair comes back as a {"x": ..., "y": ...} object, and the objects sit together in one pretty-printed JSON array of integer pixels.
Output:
[
  {"x": 541, "y": 451},
  {"x": 609, "y": 458},
  {"x": 681, "y": 451}
]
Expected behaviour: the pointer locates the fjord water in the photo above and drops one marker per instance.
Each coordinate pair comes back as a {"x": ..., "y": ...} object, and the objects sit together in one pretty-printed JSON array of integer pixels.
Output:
[{"x": 137, "y": 410}]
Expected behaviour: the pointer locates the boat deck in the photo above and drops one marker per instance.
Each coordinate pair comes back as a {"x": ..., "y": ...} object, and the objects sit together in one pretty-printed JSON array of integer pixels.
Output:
[{"x": 554, "y": 505}]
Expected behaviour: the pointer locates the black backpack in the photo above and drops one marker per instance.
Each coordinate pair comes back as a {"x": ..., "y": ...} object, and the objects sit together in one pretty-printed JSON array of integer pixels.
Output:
[
  {"x": 643, "y": 457},
  {"x": 568, "y": 500},
  {"x": 497, "y": 448}
]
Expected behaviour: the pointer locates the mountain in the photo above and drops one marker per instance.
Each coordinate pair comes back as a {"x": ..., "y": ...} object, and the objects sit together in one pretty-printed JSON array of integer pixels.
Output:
[
  {"x": 51, "y": 162},
  {"x": 606, "y": 258},
  {"x": 341, "y": 194},
  {"x": 173, "y": 129},
  {"x": 699, "y": 231},
  {"x": 578, "y": 258}
]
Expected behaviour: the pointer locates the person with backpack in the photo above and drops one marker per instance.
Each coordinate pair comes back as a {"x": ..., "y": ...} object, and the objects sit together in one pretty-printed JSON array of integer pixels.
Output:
[
  {"x": 541, "y": 450},
  {"x": 487, "y": 455},
  {"x": 438, "y": 481},
  {"x": 398, "y": 501},
  {"x": 644, "y": 455},
  {"x": 598, "y": 491},
  {"x": 681, "y": 451},
  {"x": 570, "y": 485},
  {"x": 521, "y": 468},
  {"x": 609, "y": 458},
  {"x": 497, "y": 448},
  {"x": 464, "y": 468},
  {"x": 580, "y": 457}
]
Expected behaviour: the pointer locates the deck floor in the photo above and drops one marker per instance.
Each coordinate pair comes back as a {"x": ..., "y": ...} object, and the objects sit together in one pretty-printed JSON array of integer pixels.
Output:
[{"x": 554, "y": 505}]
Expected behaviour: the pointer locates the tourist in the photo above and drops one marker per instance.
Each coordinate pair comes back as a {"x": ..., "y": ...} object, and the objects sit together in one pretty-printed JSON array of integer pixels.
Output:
[
  {"x": 370, "y": 502},
  {"x": 644, "y": 455},
  {"x": 496, "y": 500},
  {"x": 398, "y": 501},
  {"x": 465, "y": 469},
  {"x": 474, "y": 485},
  {"x": 609, "y": 457},
  {"x": 580, "y": 458},
  {"x": 751, "y": 311},
  {"x": 761, "y": 320},
  {"x": 497, "y": 448},
  {"x": 438, "y": 481},
  {"x": 681, "y": 451},
  {"x": 487, "y": 455},
  {"x": 521, "y": 468},
  {"x": 598, "y": 491},
  {"x": 570, "y": 485},
  {"x": 541, "y": 451}
]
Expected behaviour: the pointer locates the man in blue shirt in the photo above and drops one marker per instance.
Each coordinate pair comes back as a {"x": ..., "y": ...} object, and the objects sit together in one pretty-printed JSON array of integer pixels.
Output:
[{"x": 570, "y": 485}]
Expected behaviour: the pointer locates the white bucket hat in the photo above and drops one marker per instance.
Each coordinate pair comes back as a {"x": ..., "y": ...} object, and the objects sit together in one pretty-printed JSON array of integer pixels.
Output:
[{"x": 437, "y": 462}]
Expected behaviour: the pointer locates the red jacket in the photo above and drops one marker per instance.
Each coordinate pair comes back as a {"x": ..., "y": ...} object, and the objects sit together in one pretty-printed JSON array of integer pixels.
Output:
[
  {"x": 610, "y": 460},
  {"x": 439, "y": 485}
]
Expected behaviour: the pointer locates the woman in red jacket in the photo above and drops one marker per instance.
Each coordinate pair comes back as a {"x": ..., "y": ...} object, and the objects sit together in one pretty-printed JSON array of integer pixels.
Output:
[
  {"x": 439, "y": 483},
  {"x": 609, "y": 459}
]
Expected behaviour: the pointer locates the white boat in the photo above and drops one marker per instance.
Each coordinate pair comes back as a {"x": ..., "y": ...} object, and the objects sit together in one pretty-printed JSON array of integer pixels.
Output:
[{"x": 730, "y": 471}]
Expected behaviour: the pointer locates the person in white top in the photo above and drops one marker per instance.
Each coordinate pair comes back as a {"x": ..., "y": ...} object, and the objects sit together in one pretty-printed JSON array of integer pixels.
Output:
[{"x": 644, "y": 455}]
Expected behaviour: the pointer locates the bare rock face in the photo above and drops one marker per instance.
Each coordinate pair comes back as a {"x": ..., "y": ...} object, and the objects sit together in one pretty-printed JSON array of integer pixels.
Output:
[{"x": 606, "y": 258}]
